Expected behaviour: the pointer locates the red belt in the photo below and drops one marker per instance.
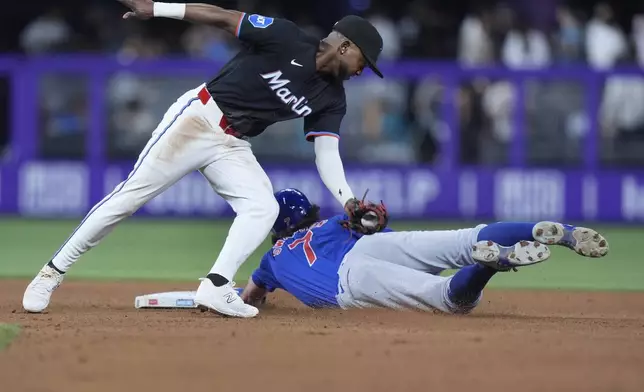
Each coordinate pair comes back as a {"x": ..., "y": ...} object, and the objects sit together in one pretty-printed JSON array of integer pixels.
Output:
[{"x": 204, "y": 97}]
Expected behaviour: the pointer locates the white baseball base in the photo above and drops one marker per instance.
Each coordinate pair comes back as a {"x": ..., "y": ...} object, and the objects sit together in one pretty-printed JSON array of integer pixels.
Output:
[{"x": 167, "y": 300}]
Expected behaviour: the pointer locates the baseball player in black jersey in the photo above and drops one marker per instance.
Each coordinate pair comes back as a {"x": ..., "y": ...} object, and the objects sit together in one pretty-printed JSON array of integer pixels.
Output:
[{"x": 281, "y": 74}]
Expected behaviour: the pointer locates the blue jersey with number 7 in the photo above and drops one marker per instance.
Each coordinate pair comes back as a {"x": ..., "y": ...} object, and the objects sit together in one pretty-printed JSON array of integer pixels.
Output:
[{"x": 306, "y": 264}]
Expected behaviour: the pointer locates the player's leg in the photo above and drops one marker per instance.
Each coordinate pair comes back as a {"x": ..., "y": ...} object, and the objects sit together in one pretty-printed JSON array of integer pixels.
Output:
[
  {"x": 584, "y": 241},
  {"x": 367, "y": 281},
  {"x": 427, "y": 251},
  {"x": 241, "y": 181},
  {"x": 434, "y": 251},
  {"x": 166, "y": 158},
  {"x": 466, "y": 285}
]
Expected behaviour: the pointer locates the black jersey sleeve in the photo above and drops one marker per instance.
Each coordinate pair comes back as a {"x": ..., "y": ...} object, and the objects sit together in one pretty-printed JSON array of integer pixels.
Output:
[
  {"x": 265, "y": 31},
  {"x": 325, "y": 123}
]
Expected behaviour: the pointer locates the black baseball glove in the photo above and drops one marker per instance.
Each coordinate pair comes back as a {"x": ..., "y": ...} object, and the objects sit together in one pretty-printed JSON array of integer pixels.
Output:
[{"x": 365, "y": 217}]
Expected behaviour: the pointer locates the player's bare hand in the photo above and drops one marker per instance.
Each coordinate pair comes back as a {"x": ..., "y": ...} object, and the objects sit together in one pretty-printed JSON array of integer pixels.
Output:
[{"x": 141, "y": 9}]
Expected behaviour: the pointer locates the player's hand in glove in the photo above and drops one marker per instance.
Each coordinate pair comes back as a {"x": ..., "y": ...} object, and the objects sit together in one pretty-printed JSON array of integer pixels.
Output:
[{"x": 365, "y": 217}]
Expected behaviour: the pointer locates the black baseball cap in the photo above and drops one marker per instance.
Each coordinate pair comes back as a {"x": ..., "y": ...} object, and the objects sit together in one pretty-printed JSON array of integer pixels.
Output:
[{"x": 365, "y": 36}]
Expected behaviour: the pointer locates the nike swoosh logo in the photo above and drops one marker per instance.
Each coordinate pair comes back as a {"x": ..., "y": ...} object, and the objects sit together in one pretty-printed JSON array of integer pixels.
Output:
[{"x": 295, "y": 63}]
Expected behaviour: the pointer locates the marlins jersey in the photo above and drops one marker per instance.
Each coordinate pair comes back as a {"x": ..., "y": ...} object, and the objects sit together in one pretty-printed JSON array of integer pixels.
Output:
[{"x": 274, "y": 78}]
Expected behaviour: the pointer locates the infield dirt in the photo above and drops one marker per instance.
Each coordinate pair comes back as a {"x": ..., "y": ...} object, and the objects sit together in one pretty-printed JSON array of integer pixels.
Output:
[{"x": 93, "y": 340}]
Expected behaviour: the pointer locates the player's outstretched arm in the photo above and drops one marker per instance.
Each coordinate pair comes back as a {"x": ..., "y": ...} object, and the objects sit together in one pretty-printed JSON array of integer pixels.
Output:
[
  {"x": 364, "y": 217},
  {"x": 331, "y": 169},
  {"x": 194, "y": 12}
]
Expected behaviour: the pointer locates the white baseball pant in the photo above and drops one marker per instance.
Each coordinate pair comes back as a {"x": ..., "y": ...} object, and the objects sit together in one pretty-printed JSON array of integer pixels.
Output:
[{"x": 188, "y": 138}]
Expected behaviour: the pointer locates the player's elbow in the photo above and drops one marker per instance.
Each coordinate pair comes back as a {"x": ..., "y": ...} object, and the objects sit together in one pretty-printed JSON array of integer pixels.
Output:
[{"x": 319, "y": 161}]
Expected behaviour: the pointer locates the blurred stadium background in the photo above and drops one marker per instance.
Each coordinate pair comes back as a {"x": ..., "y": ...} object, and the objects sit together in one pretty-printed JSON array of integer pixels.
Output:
[{"x": 490, "y": 110}]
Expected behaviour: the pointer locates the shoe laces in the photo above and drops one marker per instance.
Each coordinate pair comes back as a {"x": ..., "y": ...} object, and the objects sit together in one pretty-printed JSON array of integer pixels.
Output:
[{"x": 49, "y": 273}]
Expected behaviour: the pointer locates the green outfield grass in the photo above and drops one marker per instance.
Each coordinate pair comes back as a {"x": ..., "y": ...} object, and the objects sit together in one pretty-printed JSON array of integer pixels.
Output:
[
  {"x": 8, "y": 332},
  {"x": 185, "y": 251}
]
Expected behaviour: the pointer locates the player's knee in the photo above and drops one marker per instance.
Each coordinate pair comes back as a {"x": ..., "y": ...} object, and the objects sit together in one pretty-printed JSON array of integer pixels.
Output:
[
  {"x": 122, "y": 204},
  {"x": 265, "y": 211},
  {"x": 272, "y": 210}
]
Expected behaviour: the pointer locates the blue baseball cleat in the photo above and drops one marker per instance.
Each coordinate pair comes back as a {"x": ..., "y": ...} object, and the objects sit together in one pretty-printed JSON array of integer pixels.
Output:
[
  {"x": 506, "y": 258},
  {"x": 586, "y": 242}
]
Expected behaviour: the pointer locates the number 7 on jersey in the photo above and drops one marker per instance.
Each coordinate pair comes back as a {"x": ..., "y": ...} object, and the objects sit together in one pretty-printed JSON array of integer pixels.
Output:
[{"x": 305, "y": 241}]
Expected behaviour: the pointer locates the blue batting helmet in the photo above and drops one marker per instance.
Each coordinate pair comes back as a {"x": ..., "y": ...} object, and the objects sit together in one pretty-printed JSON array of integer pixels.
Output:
[{"x": 294, "y": 207}]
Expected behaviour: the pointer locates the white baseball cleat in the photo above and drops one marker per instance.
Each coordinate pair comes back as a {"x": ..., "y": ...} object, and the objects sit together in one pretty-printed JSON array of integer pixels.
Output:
[
  {"x": 586, "y": 242},
  {"x": 223, "y": 300},
  {"x": 505, "y": 258},
  {"x": 38, "y": 293}
]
